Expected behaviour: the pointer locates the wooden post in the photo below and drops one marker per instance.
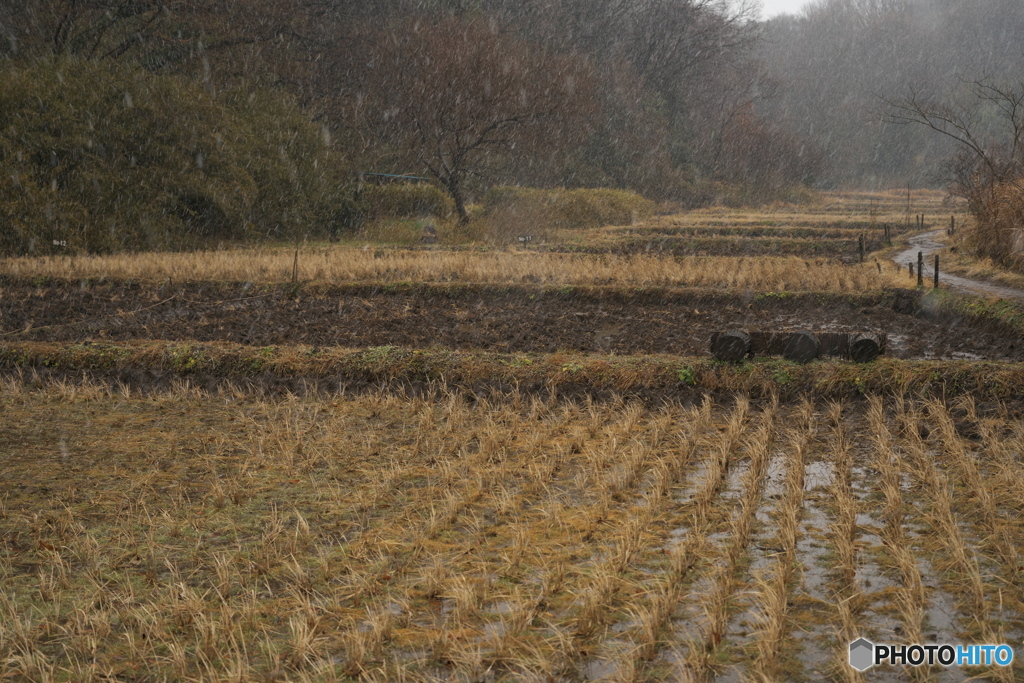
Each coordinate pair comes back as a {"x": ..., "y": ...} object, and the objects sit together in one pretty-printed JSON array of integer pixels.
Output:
[
  {"x": 732, "y": 346},
  {"x": 920, "y": 269},
  {"x": 910, "y": 269},
  {"x": 802, "y": 347},
  {"x": 952, "y": 225},
  {"x": 908, "y": 205},
  {"x": 936, "y": 271},
  {"x": 861, "y": 247}
]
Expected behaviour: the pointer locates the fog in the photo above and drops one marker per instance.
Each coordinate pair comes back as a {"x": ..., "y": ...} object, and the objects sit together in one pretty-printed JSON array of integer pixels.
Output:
[{"x": 164, "y": 115}]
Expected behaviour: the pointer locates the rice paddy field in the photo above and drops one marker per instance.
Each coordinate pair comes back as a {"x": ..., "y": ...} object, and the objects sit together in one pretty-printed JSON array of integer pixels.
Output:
[
  {"x": 180, "y": 504},
  {"x": 789, "y": 248}
]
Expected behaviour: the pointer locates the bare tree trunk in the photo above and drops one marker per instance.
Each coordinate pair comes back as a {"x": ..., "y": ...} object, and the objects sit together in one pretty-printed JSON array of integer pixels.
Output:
[
  {"x": 60, "y": 35},
  {"x": 455, "y": 191},
  {"x": 460, "y": 209}
]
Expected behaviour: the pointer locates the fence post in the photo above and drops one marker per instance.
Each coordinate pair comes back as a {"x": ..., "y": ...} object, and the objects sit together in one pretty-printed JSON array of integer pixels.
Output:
[
  {"x": 936, "y": 271},
  {"x": 908, "y": 206},
  {"x": 910, "y": 269},
  {"x": 860, "y": 242},
  {"x": 920, "y": 269}
]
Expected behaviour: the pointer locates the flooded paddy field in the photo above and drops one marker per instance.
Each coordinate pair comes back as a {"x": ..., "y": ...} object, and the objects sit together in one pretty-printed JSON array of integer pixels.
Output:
[{"x": 190, "y": 534}]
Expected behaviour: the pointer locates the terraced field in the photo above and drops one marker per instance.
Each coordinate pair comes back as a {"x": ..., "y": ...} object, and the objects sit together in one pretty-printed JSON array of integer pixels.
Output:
[
  {"x": 390, "y": 464},
  {"x": 830, "y": 228}
]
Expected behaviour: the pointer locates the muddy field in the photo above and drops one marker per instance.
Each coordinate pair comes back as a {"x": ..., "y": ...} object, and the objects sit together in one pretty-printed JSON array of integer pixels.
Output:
[
  {"x": 473, "y": 317},
  {"x": 186, "y": 536}
]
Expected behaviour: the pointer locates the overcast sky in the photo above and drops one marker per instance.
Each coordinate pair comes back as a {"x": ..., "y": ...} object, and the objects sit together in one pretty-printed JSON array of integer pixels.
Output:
[{"x": 775, "y": 7}]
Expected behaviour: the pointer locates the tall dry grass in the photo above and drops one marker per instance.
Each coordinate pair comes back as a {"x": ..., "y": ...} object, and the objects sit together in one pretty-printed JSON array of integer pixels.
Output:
[
  {"x": 719, "y": 598},
  {"x": 343, "y": 264},
  {"x": 909, "y": 599},
  {"x": 843, "y": 537},
  {"x": 958, "y": 557},
  {"x": 776, "y": 583},
  {"x": 997, "y": 233}
]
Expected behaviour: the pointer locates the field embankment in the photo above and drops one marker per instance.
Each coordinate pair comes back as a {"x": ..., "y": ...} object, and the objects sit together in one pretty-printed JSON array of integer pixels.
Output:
[{"x": 153, "y": 366}]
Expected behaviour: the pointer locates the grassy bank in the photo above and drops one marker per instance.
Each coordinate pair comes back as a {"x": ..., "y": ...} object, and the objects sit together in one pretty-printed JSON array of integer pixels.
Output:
[{"x": 156, "y": 365}]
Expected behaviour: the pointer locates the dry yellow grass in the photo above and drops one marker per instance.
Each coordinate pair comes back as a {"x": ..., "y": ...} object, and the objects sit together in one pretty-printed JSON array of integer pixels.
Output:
[
  {"x": 853, "y": 210},
  {"x": 338, "y": 263},
  {"x": 186, "y": 535},
  {"x": 961, "y": 263},
  {"x": 849, "y": 213},
  {"x": 909, "y": 600},
  {"x": 774, "y": 588},
  {"x": 341, "y": 264},
  {"x": 843, "y": 537}
]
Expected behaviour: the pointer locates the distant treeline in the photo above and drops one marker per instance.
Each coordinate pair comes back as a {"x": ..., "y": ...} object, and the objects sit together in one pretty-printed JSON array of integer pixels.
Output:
[
  {"x": 148, "y": 123},
  {"x": 840, "y": 64},
  {"x": 156, "y": 123}
]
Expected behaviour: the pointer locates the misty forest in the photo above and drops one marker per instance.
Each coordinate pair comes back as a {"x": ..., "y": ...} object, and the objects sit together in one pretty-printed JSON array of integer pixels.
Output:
[{"x": 150, "y": 125}]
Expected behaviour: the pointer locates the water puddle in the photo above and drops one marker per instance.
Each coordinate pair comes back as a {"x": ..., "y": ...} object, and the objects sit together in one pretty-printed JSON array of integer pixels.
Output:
[
  {"x": 812, "y": 548},
  {"x": 959, "y": 355},
  {"x": 818, "y": 475},
  {"x": 877, "y": 620},
  {"x": 733, "y": 489},
  {"x": 775, "y": 479},
  {"x": 694, "y": 484}
]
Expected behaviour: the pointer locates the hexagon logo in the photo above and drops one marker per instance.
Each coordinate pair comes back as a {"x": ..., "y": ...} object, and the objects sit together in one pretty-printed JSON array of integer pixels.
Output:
[{"x": 862, "y": 654}]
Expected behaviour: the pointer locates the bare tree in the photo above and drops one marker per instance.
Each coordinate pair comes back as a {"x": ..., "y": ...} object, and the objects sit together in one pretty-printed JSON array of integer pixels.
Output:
[
  {"x": 461, "y": 98},
  {"x": 989, "y": 168},
  {"x": 989, "y": 128},
  {"x": 85, "y": 28}
]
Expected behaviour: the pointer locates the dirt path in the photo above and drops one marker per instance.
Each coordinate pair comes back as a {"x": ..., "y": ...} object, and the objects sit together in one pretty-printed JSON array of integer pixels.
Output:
[{"x": 928, "y": 245}]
